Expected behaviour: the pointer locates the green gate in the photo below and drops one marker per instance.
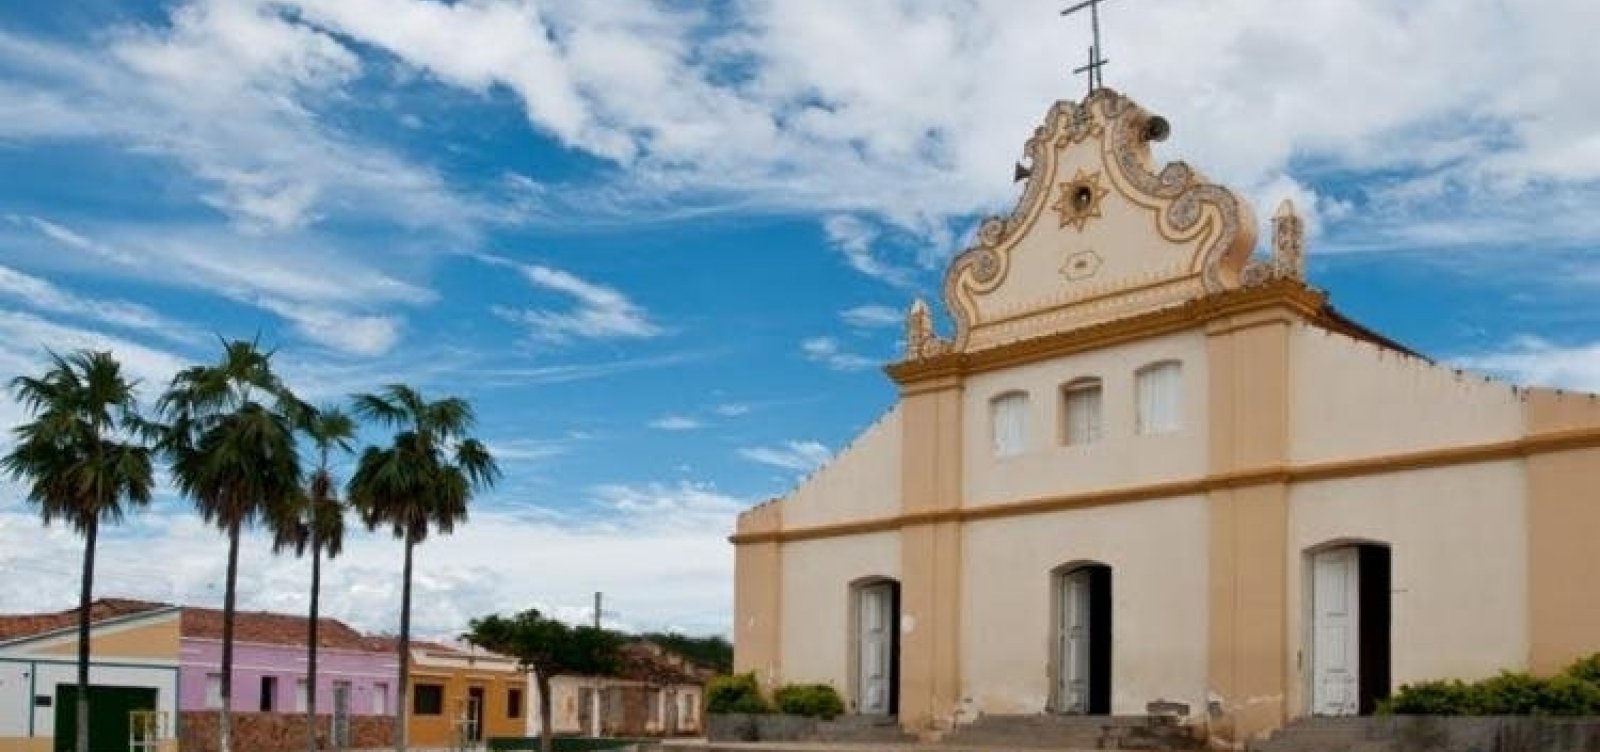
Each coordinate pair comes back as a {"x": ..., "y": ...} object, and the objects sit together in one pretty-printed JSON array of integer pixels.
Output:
[{"x": 108, "y": 715}]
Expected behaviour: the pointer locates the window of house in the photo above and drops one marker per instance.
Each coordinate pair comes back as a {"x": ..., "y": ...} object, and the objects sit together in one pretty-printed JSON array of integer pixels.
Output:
[
  {"x": 380, "y": 698},
  {"x": 1009, "y": 414},
  {"x": 300, "y": 697},
  {"x": 213, "y": 691},
  {"x": 427, "y": 699},
  {"x": 1160, "y": 390},
  {"x": 514, "y": 703},
  {"x": 1080, "y": 405},
  {"x": 269, "y": 694}
]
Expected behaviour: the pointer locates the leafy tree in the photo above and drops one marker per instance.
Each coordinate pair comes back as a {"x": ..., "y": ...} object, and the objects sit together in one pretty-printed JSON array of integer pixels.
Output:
[
  {"x": 230, "y": 438},
  {"x": 713, "y": 652},
  {"x": 315, "y": 522},
  {"x": 549, "y": 648},
  {"x": 83, "y": 464},
  {"x": 421, "y": 482}
]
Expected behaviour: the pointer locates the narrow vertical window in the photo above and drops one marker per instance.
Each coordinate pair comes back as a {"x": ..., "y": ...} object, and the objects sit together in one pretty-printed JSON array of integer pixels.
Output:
[
  {"x": 300, "y": 698},
  {"x": 1160, "y": 388},
  {"x": 1080, "y": 404},
  {"x": 1009, "y": 416},
  {"x": 513, "y": 703},
  {"x": 213, "y": 691}
]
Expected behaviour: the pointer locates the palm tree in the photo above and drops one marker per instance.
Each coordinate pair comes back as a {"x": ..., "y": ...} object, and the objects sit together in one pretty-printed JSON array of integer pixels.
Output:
[
  {"x": 421, "y": 482},
  {"x": 231, "y": 443},
  {"x": 83, "y": 465},
  {"x": 316, "y": 522}
]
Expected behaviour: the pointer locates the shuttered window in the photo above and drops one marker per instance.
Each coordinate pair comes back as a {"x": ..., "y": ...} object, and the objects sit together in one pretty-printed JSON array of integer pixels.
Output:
[
  {"x": 1009, "y": 415},
  {"x": 1160, "y": 389},
  {"x": 1080, "y": 404}
]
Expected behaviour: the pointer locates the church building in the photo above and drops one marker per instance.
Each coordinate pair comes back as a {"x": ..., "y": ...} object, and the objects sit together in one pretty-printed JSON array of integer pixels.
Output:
[{"x": 1151, "y": 465}]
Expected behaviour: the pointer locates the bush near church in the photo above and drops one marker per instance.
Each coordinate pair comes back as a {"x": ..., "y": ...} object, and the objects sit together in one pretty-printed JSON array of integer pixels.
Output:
[
  {"x": 810, "y": 700},
  {"x": 1573, "y": 692},
  {"x": 739, "y": 693}
]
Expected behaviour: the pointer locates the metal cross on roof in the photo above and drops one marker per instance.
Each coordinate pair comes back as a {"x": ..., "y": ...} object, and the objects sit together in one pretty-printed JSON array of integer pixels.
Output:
[{"x": 1096, "y": 61}]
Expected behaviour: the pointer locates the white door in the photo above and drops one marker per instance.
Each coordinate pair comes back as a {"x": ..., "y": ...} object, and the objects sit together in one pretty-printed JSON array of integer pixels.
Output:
[
  {"x": 1073, "y": 673},
  {"x": 875, "y": 640},
  {"x": 1335, "y": 630}
]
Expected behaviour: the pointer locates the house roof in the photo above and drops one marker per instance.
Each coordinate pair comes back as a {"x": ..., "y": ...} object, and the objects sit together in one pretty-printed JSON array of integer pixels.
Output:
[
  {"x": 13, "y": 626},
  {"x": 262, "y": 627},
  {"x": 648, "y": 662}
]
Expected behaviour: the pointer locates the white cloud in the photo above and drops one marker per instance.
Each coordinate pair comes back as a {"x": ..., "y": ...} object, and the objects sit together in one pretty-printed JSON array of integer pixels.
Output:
[
  {"x": 731, "y": 409},
  {"x": 854, "y": 237},
  {"x": 1532, "y": 360},
  {"x": 873, "y": 317},
  {"x": 676, "y": 423},
  {"x": 43, "y": 295},
  {"x": 826, "y": 350},
  {"x": 799, "y": 456},
  {"x": 601, "y": 312}
]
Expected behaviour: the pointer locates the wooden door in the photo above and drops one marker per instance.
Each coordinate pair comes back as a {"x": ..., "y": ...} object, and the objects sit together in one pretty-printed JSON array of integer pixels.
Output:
[{"x": 1336, "y": 638}]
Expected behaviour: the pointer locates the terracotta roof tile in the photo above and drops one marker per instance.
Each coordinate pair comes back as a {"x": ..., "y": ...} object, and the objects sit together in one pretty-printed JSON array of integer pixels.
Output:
[
  {"x": 13, "y": 626},
  {"x": 271, "y": 629}
]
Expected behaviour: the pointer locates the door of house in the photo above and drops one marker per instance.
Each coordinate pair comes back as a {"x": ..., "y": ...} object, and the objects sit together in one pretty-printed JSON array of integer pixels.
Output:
[
  {"x": 1074, "y": 637},
  {"x": 109, "y": 712},
  {"x": 341, "y": 714},
  {"x": 875, "y": 640},
  {"x": 1335, "y": 633}
]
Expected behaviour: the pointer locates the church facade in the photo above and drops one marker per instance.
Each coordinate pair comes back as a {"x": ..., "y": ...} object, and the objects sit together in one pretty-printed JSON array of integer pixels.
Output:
[{"x": 1148, "y": 466}]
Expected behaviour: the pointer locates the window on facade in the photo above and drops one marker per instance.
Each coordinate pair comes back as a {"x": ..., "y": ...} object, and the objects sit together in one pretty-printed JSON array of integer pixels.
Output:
[
  {"x": 427, "y": 699},
  {"x": 1080, "y": 416},
  {"x": 213, "y": 691},
  {"x": 380, "y": 698},
  {"x": 1160, "y": 389},
  {"x": 514, "y": 703},
  {"x": 300, "y": 695},
  {"x": 269, "y": 694},
  {"x": 1009, "y": 414}
]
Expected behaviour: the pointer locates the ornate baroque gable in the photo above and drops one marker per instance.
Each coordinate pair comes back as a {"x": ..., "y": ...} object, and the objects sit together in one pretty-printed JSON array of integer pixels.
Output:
[{"x": 1097, "y": 235}]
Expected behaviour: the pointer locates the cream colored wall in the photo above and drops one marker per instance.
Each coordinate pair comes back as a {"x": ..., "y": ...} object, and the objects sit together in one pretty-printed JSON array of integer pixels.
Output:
[
  {"x": 1350, "y": 399},
  {"x": 1157, "y": 551},
  {"x": 1458, "y": 542},
  {"x": 817, "y": 576},
  {"x": 862, "y": 482},
  {"x": 1120, "y": 458}
]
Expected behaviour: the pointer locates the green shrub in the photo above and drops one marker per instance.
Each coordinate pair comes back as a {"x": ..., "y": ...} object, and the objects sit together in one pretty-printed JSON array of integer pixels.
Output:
[
  {"x": 1507, "y": 694},
  {"x": 1430, "y": 698},
  {"x": 1585, "y": 669},
  {"x": 1568, "y": 695},
  {"x": 738, "y": 693},
  {"x": 810, "y": 700}
]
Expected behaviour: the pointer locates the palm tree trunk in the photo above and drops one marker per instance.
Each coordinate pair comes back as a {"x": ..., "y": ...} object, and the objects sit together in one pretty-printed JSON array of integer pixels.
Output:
[
  {"x": 225, "y": 731},
  {"x": 402, "y": 706},
  {"x": 542, "y": 679},
  {"x": 311, "y": 643},
  {"x": 85, "y": 600}
]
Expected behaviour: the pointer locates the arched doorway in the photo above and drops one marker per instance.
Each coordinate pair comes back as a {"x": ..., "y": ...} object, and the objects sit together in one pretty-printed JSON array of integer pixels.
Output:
[
  {"x": 1082, "y": 639},
  {"x": 1349, "y": 635},
  {"x": 876, "y": 641}
]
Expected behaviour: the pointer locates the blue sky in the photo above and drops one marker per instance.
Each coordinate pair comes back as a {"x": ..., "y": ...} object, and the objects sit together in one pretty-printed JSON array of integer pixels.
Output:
[{"x": 662, "y": 246}]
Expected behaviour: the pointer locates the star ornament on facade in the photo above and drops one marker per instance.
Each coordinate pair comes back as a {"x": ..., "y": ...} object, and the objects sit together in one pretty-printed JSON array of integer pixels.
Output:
[{"x": 1080, "y": 199}]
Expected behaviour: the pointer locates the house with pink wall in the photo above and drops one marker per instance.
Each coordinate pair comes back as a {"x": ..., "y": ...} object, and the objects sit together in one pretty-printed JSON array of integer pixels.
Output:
[{"x": 355, "y": 677}]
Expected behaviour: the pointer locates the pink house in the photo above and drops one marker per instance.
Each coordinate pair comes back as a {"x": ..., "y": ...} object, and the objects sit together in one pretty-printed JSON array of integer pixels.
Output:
[{"x": 355, "y": 677}]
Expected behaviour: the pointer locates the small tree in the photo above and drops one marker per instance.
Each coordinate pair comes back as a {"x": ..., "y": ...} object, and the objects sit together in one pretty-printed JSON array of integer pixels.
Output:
[{"x": 549, "y": 648}]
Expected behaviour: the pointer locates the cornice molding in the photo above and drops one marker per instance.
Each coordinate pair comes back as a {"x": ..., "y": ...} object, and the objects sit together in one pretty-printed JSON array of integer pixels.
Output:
[{"x": 1537, "y": 444}]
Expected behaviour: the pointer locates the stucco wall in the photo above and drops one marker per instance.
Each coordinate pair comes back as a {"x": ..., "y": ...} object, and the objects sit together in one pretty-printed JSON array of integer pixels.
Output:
[
  {"x": 1458, "y": 542},
  {"x": 862, "y": 482},
  {"x": 817, "y": 576},
  {"x": 1157, "y": 551},
  {"x": 1120, "y": 458},
  {"x": 1352, "y": 399},
  {"x": 368, "y": 673}
]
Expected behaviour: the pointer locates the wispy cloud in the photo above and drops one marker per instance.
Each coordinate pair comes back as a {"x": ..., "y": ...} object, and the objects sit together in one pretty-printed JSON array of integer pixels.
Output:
[
  {"x": 731, "y": 409},
  {"x": 799, "y": 456},
  {"x": 676, "y": 423},
  {"x": 854, "y": 237},
  {"x": 1534, "y": 360},
  {"x": 826, "y": 350},
  {"x": 599, "y": 311},
  {"x": 44, "y": 296},
  {"x": 569, "y": 372},
  {"x": 872, "y": 317}
]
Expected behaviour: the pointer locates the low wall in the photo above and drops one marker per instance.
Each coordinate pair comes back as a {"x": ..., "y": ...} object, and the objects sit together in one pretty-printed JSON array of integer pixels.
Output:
[
  {"x": 1489, "y": 734},
  {"x": 765, "y": 727},
  {"x": 277, "y": 732}
]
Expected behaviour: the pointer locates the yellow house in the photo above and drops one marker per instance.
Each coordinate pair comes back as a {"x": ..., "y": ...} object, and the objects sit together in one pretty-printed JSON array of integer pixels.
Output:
[
  {"x": 1150, "y": 467},
  {"x": 464, "y": 695},
  {"x": 133, "y": 678}
]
